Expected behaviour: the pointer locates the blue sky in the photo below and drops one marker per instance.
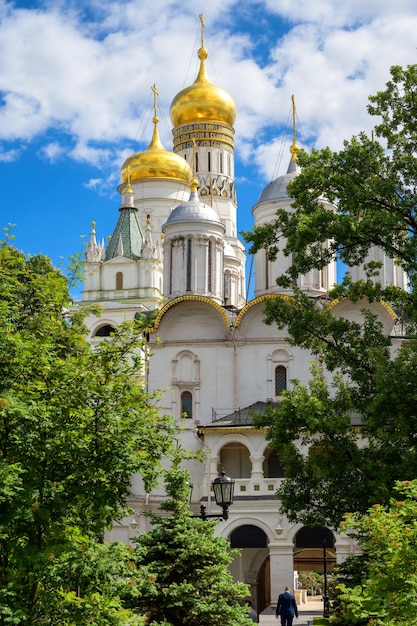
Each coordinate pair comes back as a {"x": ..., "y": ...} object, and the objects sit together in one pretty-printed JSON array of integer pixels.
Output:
[{"x": 75, "y": 93}]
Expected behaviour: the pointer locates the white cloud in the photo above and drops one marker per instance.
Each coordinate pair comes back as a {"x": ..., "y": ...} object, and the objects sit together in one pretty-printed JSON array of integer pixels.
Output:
[
  {"x": 53, "y": 151},
  {"x": 338, "y": 12},
  {"x": 8, "y": 156},
  {"x": 90, "y": 80},
  {"x": 94, "y": 183}
]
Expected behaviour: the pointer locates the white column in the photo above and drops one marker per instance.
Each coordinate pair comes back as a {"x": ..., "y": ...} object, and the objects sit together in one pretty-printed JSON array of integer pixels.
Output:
[
  {"x": 257, "y": 469},
  {"x": 282, "y": 568}
]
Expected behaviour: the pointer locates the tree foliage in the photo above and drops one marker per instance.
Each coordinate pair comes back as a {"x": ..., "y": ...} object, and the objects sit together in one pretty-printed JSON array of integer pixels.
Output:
[
  {"x": 75, "y": 424},
  {"x": 184, "y": 567},
  {"x": 380, "y": 586},
  {"x": 370, "y": 191}
]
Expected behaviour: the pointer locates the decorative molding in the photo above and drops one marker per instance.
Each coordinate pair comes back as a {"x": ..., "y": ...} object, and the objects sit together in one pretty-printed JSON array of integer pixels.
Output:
[
  {"x": 258, "y": 300},
  {"x": 384, "y": 305},
  {"x": 180, "y": 299}
]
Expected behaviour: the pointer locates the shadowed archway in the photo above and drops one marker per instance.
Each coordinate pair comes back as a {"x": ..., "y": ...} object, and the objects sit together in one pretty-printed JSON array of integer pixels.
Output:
[{"x": 254, "y": 562}]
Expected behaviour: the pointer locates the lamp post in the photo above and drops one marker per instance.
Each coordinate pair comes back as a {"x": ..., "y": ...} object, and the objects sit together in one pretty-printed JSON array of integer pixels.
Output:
[
  {"x": 326, "y": 607},
  {"x": 223, "y": 487}
]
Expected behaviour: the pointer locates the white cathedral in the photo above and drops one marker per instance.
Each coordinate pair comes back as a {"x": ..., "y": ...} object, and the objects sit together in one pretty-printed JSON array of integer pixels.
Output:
[{"x": 175, "y": 250}]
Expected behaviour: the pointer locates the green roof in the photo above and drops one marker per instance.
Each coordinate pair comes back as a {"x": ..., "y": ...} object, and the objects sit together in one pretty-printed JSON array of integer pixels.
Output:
[{"x": 127, "y": 239}]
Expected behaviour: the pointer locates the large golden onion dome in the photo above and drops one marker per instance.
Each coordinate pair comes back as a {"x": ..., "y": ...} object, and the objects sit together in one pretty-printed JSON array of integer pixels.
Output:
[
  {"x": 155, "y": 162},
  {"x": 203, "y": 101}
]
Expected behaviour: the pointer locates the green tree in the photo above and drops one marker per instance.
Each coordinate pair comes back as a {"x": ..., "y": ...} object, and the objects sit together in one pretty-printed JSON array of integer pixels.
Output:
[
  {"x": 380, "y": 586},
  {"x": 373, "y": 192},
  {"x": 370, "y": 201},
  {"x": 311, "y": 581},
  {"x": 75, "y": 424},
  {"x": 184, "y": 566}
]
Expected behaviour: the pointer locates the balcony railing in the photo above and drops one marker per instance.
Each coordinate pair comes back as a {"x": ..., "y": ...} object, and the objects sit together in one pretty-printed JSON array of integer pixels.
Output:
[{"x": 256, "y": 488}]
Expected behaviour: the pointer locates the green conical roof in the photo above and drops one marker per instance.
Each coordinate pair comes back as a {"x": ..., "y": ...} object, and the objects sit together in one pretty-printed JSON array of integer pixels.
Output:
[{"x": 127, "y": 239}]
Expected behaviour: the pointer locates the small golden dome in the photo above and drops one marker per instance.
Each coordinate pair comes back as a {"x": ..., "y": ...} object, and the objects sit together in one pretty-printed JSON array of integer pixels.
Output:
[
  {"x": 203, "y": 101},
  {"x": 155, "y": 162}
]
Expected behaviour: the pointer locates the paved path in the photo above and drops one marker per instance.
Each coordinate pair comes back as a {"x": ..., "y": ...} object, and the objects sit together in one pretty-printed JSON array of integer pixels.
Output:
[{"x": 306, "y": 612}]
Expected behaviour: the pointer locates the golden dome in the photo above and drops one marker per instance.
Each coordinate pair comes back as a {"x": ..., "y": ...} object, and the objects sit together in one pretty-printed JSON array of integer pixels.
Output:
[
  {"x": 203, "y": 101},
  {"x": 155, "y": 162}
]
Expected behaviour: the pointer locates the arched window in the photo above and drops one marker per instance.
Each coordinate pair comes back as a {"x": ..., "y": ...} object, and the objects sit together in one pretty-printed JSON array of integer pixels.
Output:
[
  {"x": 104, "y": 331},
  {"x": 187, "y": 404},
  {"x": 280, "y": 379},
  {"x": 119, "y": 280}
]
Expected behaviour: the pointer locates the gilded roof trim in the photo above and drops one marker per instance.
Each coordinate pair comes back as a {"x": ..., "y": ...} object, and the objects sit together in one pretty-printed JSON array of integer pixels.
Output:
[
  {"x": 203, "y": 299},
  {"x": 384, "y": 305},
  {"x": 256, "y": 301},
  {"x": 230, "y": 430}
]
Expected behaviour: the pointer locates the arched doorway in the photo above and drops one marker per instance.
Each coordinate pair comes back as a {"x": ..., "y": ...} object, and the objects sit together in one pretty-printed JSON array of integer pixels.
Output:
[
  {"x": 312, "y": 545},
  {"x": 252, "y": 566},
  {"x": 314, "y": 558},
  {"x": 263, "y": 586}
]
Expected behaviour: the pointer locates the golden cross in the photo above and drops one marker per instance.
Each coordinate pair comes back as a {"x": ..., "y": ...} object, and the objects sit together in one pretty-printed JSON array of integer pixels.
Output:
[
  {"x": 294, "y": 127},
  {"x": 201, "y": 16},
  {"x": 155, "y": 93}
]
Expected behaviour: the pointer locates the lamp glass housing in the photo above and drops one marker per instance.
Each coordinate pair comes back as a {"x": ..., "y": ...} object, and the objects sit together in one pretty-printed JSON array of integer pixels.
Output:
[{"x": 223, "y": 487}]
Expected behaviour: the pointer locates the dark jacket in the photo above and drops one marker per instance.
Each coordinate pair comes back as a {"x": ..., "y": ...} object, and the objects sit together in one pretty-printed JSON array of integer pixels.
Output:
[
  {"x": 286, "y": 605},
  {"x": 253, "y": 615}
]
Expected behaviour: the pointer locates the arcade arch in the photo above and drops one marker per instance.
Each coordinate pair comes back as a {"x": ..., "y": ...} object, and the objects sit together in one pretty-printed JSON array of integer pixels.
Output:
[
  {"x": 234, "y": 458},
  {"x": 252, "y": 564},
  {"x": 311, "y": 544},
  {"x": 272, "y": 466}
]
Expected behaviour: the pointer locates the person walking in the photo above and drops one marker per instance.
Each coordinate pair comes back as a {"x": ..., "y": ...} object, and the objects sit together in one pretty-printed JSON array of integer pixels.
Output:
[
  {"x": 286, "y": 607},
  {"x": 252, "y": 613}
]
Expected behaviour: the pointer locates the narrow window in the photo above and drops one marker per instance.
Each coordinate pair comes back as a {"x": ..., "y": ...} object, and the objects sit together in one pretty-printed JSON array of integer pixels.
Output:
[
  {"x": 221, "y": 162},
  {"x": 209, "y": 161},
  {"x": 187, "y": 404},
  {"x": 188, "y": 288},
  {"x": 280, "y": 379},
  {"x": 119, "y": 280},
  {"x": 170, "y": 267},
  {"x": 227, "y": 284},
  {"x": 266, "y": 270},
  {"x": 196, "y": 161},
  {"x": 209, "y": 264}
]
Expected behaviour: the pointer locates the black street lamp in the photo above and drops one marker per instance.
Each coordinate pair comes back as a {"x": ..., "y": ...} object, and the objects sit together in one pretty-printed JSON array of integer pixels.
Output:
[
  {"x": 223, "y": 487},
  {"x": 326, "y": 601}
]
